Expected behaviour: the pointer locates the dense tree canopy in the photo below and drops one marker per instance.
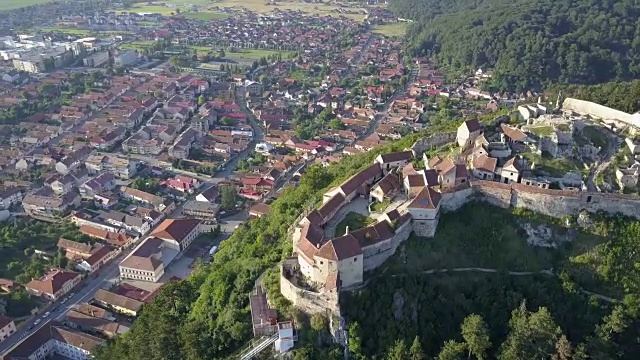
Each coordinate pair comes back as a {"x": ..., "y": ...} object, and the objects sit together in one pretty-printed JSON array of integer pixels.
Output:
[{"x": 529, "y": 43}]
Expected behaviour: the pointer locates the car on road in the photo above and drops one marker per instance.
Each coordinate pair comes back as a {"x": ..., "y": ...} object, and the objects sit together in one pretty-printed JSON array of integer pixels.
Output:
[
  {"x": 46, "y": 314},
  {"x": 70, "y": 295},
  {"x": 37, "y": 322},
  {"x": 64, "y": 300}
]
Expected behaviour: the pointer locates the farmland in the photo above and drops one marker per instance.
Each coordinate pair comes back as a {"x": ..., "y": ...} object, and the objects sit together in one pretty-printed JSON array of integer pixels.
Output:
[
  {"x": 15, "y": 4},
  {"x": 392, "y": 30}
]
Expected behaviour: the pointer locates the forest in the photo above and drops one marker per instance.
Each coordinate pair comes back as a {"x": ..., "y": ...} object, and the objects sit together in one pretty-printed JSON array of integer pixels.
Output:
[
  {"x": 483, "y": 315},
  {"x": 207, "y": 316},
  {"x": 528, "y": 44}
]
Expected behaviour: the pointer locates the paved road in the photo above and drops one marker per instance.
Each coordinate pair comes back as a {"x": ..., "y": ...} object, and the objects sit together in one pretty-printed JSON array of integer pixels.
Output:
[{"x": 82, "y": 294}]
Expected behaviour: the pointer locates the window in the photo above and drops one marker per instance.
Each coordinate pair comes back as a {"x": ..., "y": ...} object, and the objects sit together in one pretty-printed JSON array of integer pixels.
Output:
[
  {"x": 355, "y": 259},
  {"x": 589, "y": 198},
  {"x": 321, "y": 262}
]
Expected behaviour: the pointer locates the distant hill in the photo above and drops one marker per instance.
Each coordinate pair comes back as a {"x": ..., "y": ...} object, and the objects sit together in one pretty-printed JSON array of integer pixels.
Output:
[{"x": 529, "y": 43}]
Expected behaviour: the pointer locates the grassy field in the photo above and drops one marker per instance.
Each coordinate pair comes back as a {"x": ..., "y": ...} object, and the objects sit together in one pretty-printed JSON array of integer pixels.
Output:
[
  {"x": 256, "y": 54},
  {"x": 6, "y": 5},
  {"x": 136, "y": 45},
  {"x": 354, "y": 221},
  {"x": 206, "y": 16},
  {"x": 555, "y": 167},
  {"x": 391, "y": 30},
  {"x": 480, "y": 235}
]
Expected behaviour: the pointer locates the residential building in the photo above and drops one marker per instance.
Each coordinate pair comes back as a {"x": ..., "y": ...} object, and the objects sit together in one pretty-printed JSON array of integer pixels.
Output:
[
  {"x": 54, "y": 284},
  {"x": 54, "y": 339},
  {"x": 138, "y": 195},
  {"x": 122, "y": 168},
  {"x": 210, "y": 195},
  {"x": 393, "y": 160},
  {"x": 44, "y": 202},
  {"x": 468, "y": 132},
  {"x": 117, "y": 303},
  {"x": 200, "y": 210},
  {"x": 10, "y": 197},
  {"x": 99, "y": 258},
  {"x": 7, "y": 327},
  {"x": 125, "y": 58},
  {"x": 96, "y": 59},
  {"x": 103, "y": 182}
]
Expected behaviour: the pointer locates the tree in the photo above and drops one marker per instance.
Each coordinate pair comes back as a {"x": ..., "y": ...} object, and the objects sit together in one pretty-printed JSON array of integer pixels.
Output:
[
  {"x": 355, "y": 342},
  {"x": 476, "y": 336},
  {"x": 563, "y": 349},
  {"x": 531, "y": 335},
  {"x": 398, "y": 351},
  {"x": 318, "y": 322},
  {"x": 452, "y": 350},
  {"x": 416, "y": 352},
  {"x": 201, "y": 100},
  {"x": 228, "y": 197},
  {"x": 221, "y": 54}
]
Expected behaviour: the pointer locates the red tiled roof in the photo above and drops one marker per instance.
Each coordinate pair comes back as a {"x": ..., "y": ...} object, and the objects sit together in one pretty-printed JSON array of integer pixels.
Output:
[
  {"x": 427, "y": 198},
  {"x": 175, "y": 229}
]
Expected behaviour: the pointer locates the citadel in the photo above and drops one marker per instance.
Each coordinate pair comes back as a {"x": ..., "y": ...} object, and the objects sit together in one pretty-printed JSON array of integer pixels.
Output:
[{"x": 325, "y": 262}]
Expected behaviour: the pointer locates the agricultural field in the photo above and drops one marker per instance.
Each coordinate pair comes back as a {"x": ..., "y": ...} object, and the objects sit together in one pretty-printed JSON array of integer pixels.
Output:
[
  {"x": 136, "y": 45},
  {"x": 256, "y": 54},
  {"x": 392, "y": 30},
  {"x": 211, "y": 10},
  {"x": 205, "y": 16},
  {"x": 6, "y": 5}
]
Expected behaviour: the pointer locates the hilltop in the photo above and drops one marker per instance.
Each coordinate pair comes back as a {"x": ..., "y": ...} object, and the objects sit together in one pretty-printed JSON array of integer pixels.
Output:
[{"x": 528, "y": 44}]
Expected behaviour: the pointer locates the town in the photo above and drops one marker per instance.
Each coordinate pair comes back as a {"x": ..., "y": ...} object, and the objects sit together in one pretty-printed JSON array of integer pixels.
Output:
[{"x": 134, "y": 143}]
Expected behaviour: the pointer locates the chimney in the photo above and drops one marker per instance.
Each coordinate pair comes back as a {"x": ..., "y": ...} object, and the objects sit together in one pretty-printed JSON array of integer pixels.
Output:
[
  {"x": 539, "y": 99},
  {"x": 502, "y": 138},
  {"x": 346, "y": 230}
]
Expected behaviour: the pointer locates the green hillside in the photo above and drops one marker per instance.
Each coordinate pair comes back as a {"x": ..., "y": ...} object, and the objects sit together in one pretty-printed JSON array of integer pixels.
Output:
[{"x": 529, "y": 44}]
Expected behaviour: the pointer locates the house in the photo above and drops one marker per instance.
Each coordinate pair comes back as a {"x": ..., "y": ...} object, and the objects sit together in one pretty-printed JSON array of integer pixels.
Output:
[
  {"x": 99, "y": 258},
  {"x": 138, "y": 195},
  {"x": 7, "y": 285},
  {"x": 628, "y": 177},
  {"x": 468, "y": 132},
  {"x": 54, "y": 284},
  {"x": 10, "y": 197},
  {"x": 100, "y": 183},
  {"x": 451, "y": 174},
  {"x": 394, "y": 160},
  {"x": 484, "y": 167},
  {"x": 118, "y": 303},
  {"x": 74, "y": 249},
  {"x": 7, "y": 327},
  {"x": 183, "y": 231},
  {"x": 200, "y": 210},
  {"x": 111, "y": 237},
  {"x": 510, "y": 171},
  {"x": 45, "y": 203},
  {"x": 210, "y": 195},
  {"x": 259, "y": 210},
  {"x": 54, "y": 339},
  {"x": 126, "y": 221},
  {"x": 413, "y": 184},
  {"x": 513, "y": 134},
  {"x": 181, "y": 183},
  {"x": 386, "y": 187},
  {"x": 60, "y": 184},
  {"x": 102, "y": 326}
]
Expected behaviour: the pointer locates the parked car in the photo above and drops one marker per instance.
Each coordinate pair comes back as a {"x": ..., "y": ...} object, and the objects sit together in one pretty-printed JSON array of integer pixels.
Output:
[
  {"x": 37, "y": 322},
  {"x": 46, "y": 314}
]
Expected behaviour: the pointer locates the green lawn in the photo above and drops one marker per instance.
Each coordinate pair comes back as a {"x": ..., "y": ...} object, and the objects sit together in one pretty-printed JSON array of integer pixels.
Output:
[
  {"x": 136, "y": 45},
  {"x": 206, "y": 16},
  {"x": 354, "y": 221},
  {"x": 555, "y": 167},
  {"x": 380, "y": 206},
  {"x": 480, "y": 235},
  {"x": 392, "y": 30},
  {"x": 542, "y": 130},
  {"x": 15, "y": 4},
  {"x": 256, "y": 54}
]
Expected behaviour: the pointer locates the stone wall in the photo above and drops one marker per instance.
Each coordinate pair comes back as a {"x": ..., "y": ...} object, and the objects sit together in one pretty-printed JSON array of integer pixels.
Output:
[
  {"x": 375, "y": 255},
  {"x": 494, "y": 193},
  {"x": 426, "y": 228},
  {"x": 555, "y": 203},
  {"x": 455, "y": 198},
  {"x": 429, "y": 142},
  {"x": 309, "y": 301},
  {"x": 611, "y": 203}
]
